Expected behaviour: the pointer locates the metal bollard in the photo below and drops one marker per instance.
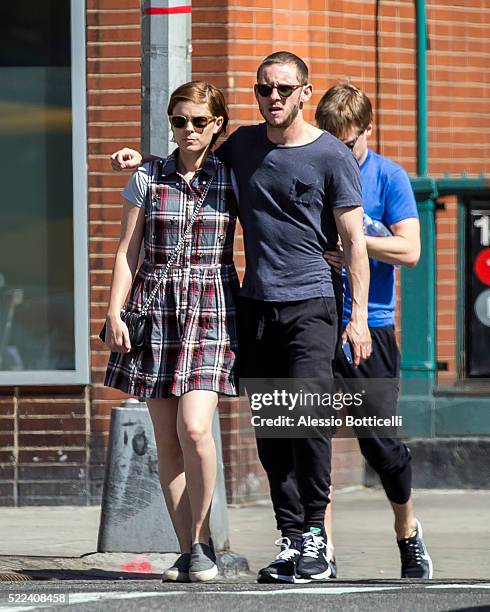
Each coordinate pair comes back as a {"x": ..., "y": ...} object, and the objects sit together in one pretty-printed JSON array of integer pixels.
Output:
[{"x": 134, "y": 516}]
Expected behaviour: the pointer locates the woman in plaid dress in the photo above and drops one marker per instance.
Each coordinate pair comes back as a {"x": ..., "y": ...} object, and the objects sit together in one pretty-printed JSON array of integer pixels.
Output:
[{"x": 193, "y": 332}]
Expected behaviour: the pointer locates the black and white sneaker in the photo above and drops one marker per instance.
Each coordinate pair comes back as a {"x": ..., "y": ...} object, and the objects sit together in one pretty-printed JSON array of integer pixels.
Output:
[
  {"x": 313, "y": 563},
  {"x": 283, "y": 568},
  {"x": 416, "y": 562}
]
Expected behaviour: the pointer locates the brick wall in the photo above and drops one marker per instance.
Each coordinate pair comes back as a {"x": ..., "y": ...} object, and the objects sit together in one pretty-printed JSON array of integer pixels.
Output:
[
  {"x": 52, "y": 440},
  {"x": 44, "y": 446}
]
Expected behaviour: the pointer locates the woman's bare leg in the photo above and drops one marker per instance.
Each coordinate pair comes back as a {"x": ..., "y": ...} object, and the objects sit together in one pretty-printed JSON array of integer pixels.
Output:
[
  {"x": 171, "y": 472},
  {"x": 194, "y": 427}
]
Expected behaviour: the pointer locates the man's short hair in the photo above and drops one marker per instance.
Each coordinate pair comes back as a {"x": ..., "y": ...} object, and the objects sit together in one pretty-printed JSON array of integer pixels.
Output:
[
  {"x": 284, "y": 57},
  {"x": 342, "y": 107}
]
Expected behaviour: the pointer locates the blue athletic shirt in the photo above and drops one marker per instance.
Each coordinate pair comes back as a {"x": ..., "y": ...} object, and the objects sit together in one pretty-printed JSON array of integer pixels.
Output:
[{"x": 387, "y": 196}]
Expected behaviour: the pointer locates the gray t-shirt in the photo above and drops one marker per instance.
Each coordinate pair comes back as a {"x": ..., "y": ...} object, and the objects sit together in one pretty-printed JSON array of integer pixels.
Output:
[
  {"x": 286, "y": 198},
  {"x": 137, "y": 186}
]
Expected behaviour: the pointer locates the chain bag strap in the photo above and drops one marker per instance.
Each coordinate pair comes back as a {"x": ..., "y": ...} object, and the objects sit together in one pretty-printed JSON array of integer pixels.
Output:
[{"x": 177, "y": 250}]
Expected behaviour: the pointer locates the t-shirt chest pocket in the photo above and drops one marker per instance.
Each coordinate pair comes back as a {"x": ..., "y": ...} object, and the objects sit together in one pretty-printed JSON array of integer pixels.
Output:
[{"x": 304, "y": 193}]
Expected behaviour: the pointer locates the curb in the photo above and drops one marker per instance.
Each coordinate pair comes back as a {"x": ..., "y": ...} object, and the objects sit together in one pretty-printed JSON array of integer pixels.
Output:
[{"x": 109, "y": 566}]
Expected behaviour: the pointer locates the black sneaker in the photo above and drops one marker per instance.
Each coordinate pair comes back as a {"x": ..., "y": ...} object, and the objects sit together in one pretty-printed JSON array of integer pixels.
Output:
[
  {"x": 313, "y": 563},
  {"x": 283, "y": 568},
  {"x": 416, "y": 562}
]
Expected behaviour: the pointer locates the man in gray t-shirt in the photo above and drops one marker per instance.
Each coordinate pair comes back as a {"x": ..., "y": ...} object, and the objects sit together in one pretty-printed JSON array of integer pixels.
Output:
[
  {"x": 287, "y": 210},
  {"x": 298, "y": 190}
]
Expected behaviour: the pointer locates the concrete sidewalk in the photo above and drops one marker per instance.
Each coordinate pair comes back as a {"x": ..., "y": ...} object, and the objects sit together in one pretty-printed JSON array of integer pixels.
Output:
[{"x": 456, "y": 529}]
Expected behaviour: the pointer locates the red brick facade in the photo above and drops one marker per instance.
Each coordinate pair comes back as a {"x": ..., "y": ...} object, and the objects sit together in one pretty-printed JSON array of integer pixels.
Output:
[{"x": 52, "y": 439}]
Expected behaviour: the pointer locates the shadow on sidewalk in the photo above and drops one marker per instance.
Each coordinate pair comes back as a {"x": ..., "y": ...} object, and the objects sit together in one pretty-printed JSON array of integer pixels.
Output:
[{"x": 22, "y": 575}]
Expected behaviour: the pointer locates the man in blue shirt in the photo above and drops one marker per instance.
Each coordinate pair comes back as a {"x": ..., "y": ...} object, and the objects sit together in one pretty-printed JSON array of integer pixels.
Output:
[{"x": 346, "y": 112}]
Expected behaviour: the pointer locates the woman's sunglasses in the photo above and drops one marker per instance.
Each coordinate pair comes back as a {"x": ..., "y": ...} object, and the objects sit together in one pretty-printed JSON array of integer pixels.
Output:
[
  {"x": 180, "y": 121},
  {"x": 283, "y": 90}
]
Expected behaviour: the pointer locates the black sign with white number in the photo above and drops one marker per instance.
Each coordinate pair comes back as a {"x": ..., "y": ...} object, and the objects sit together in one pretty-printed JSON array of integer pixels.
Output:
[{"x": 477, "y": 295}]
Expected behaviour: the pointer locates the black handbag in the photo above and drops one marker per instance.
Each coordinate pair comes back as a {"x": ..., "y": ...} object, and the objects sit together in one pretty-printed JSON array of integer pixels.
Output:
[{"x": 139, "y": 323}]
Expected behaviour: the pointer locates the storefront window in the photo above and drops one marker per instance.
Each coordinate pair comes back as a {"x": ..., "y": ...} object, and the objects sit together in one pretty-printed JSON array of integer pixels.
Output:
[{"x": 37, "y": 242}]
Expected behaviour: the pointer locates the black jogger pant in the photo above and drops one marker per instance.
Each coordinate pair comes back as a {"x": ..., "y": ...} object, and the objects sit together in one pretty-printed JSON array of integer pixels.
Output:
[{"x": 292, "y": 340}]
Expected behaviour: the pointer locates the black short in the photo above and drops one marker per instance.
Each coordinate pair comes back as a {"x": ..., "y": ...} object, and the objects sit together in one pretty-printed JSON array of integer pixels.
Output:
[
  {"x": 383, "y": 365},
  {"x": 384, "y": 361},
  {"x": 287, "y": 339},
  {"x": 388, "y": 456}
]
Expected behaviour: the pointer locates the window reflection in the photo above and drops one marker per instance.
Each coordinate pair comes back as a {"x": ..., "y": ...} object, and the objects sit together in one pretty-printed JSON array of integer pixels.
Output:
[{"x": 36, "y": 228}]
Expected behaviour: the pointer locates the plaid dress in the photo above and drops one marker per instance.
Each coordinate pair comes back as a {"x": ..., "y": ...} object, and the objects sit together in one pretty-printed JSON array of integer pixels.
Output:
[{"x": 193, "y": 316}]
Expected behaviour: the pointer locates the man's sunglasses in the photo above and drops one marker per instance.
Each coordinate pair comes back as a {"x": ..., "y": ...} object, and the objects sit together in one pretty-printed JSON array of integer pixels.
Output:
[
  {"x": 283, "y": 90},
  {"x": 180, "y": 121}
]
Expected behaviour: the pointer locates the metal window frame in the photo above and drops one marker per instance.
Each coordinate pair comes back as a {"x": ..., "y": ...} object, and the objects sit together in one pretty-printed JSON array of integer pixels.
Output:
[{"x": 81, "y": 373}]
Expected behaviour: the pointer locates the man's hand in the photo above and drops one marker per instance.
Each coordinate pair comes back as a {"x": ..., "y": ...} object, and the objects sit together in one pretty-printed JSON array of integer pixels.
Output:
[
  {"x": 359, "y": 337},
  {"x": 335, "y": 258},
  {"x": 126, "y": 159}
]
